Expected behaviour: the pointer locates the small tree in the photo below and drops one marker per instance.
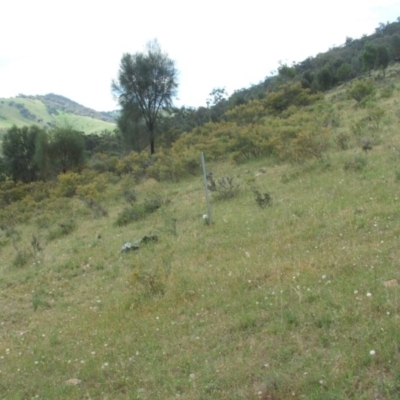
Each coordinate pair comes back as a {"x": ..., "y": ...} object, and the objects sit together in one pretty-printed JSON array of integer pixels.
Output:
[
  {"x": 382, "y": 58},
  {"x": 325, "y": 78},
  {"x": 217, "y": 104},
  {"x": 344, "y": 72},
  {"x": 66, "y": 150},
  {"x": 19, "y": 147},
  {"x": 148, "y": 82},
  {"x": 395, "y": 45},
  {"x": 286, "y": 73},
  {"x": 368, "y": 57},
  {"x": 307, "y": 80}
]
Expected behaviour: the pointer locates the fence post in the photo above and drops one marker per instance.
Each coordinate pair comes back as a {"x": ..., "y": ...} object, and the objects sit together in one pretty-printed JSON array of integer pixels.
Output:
[{"x": 203, "y": 164}]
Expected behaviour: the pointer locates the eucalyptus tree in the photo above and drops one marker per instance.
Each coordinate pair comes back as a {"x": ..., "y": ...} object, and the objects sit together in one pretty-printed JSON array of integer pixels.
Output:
[{"x": 146, "y": 82}]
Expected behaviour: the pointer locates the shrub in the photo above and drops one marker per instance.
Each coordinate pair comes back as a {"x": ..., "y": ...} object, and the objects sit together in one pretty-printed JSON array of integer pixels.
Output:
[
  {"x": 152, "y": 204},
  {"x": 361, "y": 90},
  {"x": 138, "y": 211},
  {"x": 287, "y": 95},
  {"x": 357, "y": 164},
  {"x": 151, "y": 280},
  {"x": 134, "y": 164},
  {"x": 36, "y": 246},
  {"x": 129, "y": 196},
  {"x": 39, "y": 190},
  {"x": 62, "y": 229},
  {"x": 359, "y": 127},
  {"x": 262, "y": 199},
  {"x": 94, "y": 190},
  {"x": 67, "y": 184},
  {"x": 128, "y": 215},
  {"x": 21, "y": 259},
  {"x": 387, "y": 91},
  {"x": 343, "y": 140},
  {"x": 162, "y": 161},
  {"x": 224, "y": 188},
  {"x": 96, "y": 207},
  {"x": 375, "y": 115},
  {"x": 12, "y": 191},
  {"x": 305, "y": 144},
  {"x": 168, "y": 166},
  {"x": 251, "y": 141},
  {"x": 38, "y": 300},
  {"x": 101, "y": 162}
]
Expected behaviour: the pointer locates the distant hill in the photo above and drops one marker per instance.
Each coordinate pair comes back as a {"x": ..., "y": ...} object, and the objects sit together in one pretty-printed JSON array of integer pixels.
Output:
[{"x": 50, "y": 110}]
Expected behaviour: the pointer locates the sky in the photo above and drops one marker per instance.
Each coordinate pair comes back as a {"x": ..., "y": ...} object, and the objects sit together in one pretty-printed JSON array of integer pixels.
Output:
[{"x": 73, "y": 48}]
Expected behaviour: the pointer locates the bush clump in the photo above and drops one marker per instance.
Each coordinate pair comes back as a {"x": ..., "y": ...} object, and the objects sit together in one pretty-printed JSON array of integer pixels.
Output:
[
  {"x": 361, "y": 91},
  {"x": 62, "y": 229},
  {"x": 128, "y": 215},
  {"x": 136, "y": 212},
  {"x": 262, "y": 199},
  {"x": 150, "y": 281},
  {"x": 357, "y": 164},
  {"x": 224, "y": 188},
  {"x": 21, "y": 259}
]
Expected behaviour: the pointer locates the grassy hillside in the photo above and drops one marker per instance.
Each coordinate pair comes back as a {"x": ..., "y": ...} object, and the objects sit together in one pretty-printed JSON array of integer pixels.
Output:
[
  {"x": 31, "y": 110},
  {"x": 294, "y": 296}
]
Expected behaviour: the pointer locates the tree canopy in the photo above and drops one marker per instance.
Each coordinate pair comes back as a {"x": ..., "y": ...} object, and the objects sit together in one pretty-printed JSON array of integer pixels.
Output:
[{"x": 147, "y": 82}]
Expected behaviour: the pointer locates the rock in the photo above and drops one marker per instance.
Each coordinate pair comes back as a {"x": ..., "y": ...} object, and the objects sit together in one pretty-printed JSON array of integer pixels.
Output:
[{"x": 128, "y": 246}]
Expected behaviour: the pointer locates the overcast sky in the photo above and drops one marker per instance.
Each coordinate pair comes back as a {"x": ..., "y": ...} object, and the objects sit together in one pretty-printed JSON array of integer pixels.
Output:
[{"x": 73, "y": 48}]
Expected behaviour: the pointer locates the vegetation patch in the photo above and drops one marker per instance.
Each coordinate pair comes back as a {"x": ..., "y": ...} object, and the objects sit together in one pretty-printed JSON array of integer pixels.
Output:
[
  {"x": 224, "y": 188},
  {"x": 139, "y": 211},
  {"x": 62, "y": 229}
]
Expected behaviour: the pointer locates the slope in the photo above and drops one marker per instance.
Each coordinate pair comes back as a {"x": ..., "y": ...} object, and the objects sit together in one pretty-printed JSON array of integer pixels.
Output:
[
  {"x": 25, "y": 110},
  {"x": 297, "y": 299}
]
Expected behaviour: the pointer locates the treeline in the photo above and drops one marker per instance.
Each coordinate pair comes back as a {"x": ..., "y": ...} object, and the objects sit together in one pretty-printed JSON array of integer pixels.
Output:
[
  {"x": 33, "y": 153},
  {"x": 258, "y": 128}
]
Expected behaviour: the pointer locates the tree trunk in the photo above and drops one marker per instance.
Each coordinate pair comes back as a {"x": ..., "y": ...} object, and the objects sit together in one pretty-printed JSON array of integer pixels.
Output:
[{"x": 151, "y": 140}]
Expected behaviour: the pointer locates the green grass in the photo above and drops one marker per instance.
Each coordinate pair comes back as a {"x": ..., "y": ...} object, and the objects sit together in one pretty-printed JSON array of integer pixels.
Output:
[{"x": 280, "y": 302}]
